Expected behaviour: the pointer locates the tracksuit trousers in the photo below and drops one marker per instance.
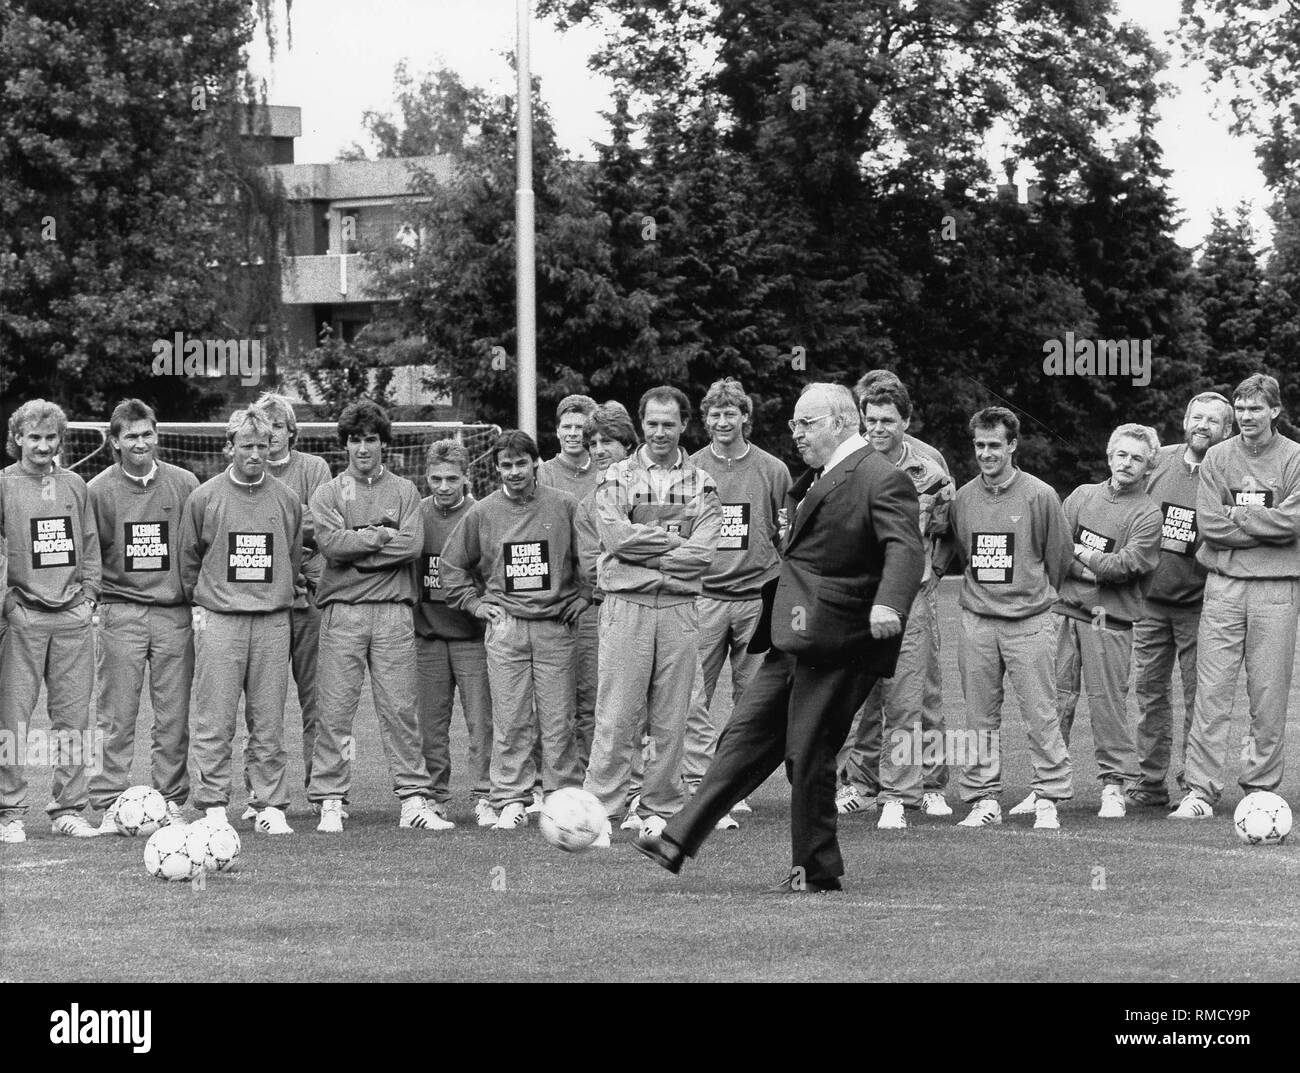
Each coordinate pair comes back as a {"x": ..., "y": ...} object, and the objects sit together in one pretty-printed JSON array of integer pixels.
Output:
[
  {"x": 58, "y": 648},
  {"x": 725, "y": 627},
  {"x": 130, "y": 637},
  {"x": 445, "y": 667},
  {"x": 378, "y": 636},
  {"x": 234, "y": 654},
  {"x": 1098, "y": 659},
  {"x": 989, "y": 650},
  {"x": 1251, "y": 622},
  {"x": 1167, "y": 635},
  {"x": 648, "y": 658}
]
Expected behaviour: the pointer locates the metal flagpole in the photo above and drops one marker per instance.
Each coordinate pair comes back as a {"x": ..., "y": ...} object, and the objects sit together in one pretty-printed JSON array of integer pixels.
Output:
[{"x": 525, "y": 252}]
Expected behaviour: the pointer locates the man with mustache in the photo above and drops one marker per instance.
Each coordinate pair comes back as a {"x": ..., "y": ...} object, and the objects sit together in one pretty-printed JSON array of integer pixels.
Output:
[
  {"x": 1168, "y": 632},
  {"x": 1116, "y": 530},
  {"x": 48, "y": 526},
  {"x": 1248, "y": 515}
]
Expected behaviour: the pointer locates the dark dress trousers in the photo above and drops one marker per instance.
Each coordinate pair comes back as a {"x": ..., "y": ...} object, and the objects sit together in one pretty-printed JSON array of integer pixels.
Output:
[{"x": 854, "y": 541}]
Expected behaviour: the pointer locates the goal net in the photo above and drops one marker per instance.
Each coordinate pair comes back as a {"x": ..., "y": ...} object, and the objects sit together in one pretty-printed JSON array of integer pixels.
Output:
[{"x": 200, "y": 448}]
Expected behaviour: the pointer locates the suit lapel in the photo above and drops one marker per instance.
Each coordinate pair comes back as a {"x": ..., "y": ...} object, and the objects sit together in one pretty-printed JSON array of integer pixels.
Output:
[{"x": 819, "y": 491}]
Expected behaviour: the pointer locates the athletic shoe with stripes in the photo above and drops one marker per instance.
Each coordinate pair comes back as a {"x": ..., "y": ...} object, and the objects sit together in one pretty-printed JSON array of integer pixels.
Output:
[
  {"x": 419, "y": 814},
  {"x": 933, "y": 804},
  {"x": 847, "y": 799},
  {"x": 74, "y": 825},
  {"x": 892, "y": 817},
  {"x": 653, "y": 826},
  {"x": 484, "y": 814},
  {"x": 1192, "y": 807},
  {"x": 271, "y": 821},
  {"x": 984, "y": 812},
  {"x": 1027, "y": 806},
  {"x": 513, "y": 816}
]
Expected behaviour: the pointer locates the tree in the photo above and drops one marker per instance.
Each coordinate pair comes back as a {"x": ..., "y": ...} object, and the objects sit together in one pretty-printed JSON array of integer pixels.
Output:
[
  {"x": 437, "y": 114},
  {"x": 123, "y": 188},
  {"x": 1230, "y": 293}
]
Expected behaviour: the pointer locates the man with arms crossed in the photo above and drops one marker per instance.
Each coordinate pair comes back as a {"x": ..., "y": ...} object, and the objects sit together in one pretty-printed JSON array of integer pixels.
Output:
[
  {"x": 241, "y": 551},
  {"x": 752, "y": 486},
  {"x": 658, "y": 517},
  {"x": 1010, "y": 532},
  {"x": 1174, "y": 600},
  {"x": 48, "y": 526},
  {"x": 369, "y": 531},
  {"x": 1248, "y": 514},
  {"x": 1116, "y": 532},
  {"x": 144, "y": 619},
  {"x": 850, "y": 567}
]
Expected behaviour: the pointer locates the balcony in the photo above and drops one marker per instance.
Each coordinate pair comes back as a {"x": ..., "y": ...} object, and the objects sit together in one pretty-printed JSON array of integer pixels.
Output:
[{"x": 327, "y": 280}]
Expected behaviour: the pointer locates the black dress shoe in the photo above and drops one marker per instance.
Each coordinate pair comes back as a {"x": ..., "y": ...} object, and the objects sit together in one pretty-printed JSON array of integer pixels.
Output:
[
  {"x": 795, "y": 883},
  {"x": 664, "y": 853}
]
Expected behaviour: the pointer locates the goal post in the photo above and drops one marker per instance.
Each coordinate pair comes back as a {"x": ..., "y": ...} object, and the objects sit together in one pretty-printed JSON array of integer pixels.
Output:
[{"x": 200, "y": 448}]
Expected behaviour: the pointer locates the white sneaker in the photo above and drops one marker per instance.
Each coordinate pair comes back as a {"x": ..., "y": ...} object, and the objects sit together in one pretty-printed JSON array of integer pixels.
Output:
[
  {"x": 892, "y": 817},
  {"x": 418, "y": 813},
  {"x": 12, "y": 832},
  {"x": 175, "y": 814},
  {"x": 631, "y": 822},
  {"x": 741, "y": 806},
  {"x": 1192, "y": 807},
  {"x": 1045, "y": 816},
  {"x": 513, "y": 816},
  {"x": 933, "y": 804},
  {"x": 847, "y": 799},
  {"x": 218, "y": 813},
  {"x": 271, "y": 821},
  {"x": 653, "y": 826},
  {"x": 484, "y": 814},
  {"x": 727, "y": 823},
  {"x": 603, "y": 839},
  {"x": 1113, "y": 804},
  {"x": 539, "y": 799},
  {"x": 250, "y": 813},
  {"x": 74, "y": 825},
  {"x": 1027, "y": 806},
  {"x": 331, "y": 817},
  {"x": 984, "y": 812}
]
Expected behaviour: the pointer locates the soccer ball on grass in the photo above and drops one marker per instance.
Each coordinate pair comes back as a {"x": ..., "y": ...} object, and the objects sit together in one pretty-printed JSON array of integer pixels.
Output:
[
  {"x": 170, "y": 854},
  {"x": 571, "y": 819},
  {"x": 1262, "y": 819},
  {"x": 140, "y": 810}
]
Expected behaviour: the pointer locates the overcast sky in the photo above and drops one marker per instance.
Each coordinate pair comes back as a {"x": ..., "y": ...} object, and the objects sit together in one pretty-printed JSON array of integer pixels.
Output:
[{"x": 343, "y": 56}]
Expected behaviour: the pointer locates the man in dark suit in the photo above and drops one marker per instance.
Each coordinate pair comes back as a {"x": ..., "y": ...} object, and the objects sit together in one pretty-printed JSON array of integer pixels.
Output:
[{"x": 851, "y": 566}]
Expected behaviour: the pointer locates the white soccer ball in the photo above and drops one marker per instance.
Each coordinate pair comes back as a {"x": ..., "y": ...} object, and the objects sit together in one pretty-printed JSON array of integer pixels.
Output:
[
  {"x": 571, "y": 819},
  {"x": 1262, "y": 819},
  {"x": 140, "y": 810},
  {"x": 169, "y": 854},
  {"x": 215, "y": 843}
]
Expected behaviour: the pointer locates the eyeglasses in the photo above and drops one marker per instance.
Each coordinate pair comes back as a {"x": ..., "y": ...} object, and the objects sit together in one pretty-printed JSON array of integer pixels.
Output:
[{"x": 803, "y": 424}]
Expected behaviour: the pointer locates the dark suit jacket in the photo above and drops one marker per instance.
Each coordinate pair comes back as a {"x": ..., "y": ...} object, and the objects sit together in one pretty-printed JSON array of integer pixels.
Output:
[{"x": 855, "y": 541}]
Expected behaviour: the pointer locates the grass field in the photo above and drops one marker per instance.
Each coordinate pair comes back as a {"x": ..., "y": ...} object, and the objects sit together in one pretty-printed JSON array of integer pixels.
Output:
[{"x": 1143, "y": 899}]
